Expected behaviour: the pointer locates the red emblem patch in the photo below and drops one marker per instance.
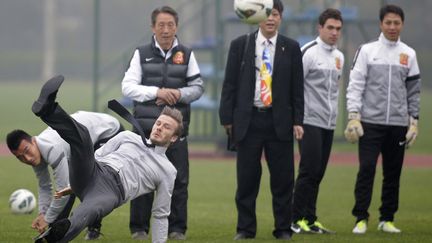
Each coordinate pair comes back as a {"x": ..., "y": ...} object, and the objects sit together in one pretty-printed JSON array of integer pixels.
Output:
[
  {"x": 178, "y": 58},
  {"x": 403, "y": 59},
  {"x": 338, "y": 63}
]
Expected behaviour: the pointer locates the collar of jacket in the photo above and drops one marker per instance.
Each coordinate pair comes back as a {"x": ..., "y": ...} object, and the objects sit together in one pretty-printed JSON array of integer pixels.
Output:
[
  {"x": 325, "y": 45},
  {"x": 386, "y": 41},
  {"x": 159, "y": 51}
]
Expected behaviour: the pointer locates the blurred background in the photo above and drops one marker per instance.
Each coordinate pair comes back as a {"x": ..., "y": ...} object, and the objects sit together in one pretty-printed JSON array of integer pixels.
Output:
[{"x": 90, "y": 42}]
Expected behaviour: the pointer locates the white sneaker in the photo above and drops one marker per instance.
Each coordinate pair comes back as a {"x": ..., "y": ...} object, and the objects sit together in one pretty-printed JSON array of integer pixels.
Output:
[
  {"x": 360, "y": 227},
  {"x": 388, "y": 227}
]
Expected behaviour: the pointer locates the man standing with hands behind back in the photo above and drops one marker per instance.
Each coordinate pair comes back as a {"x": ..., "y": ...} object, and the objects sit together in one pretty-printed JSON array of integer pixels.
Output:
[
  {"x": 163, "y": 72},
  {"x": 322, "y": 67},
  {"x": 261, "y": 108}
]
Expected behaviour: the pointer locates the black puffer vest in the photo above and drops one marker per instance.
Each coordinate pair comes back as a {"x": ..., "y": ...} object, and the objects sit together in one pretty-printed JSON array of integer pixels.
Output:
[{"x": 167, "y": 74}]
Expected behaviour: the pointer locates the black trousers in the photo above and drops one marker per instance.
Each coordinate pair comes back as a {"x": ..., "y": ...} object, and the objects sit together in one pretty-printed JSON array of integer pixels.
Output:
[
  {"x": 389, "y": 141},
  {"x": 98, "y": 187},
  {"x": 315, "y": 150},
  {"x": 140, "y": 207},
  {"x": 261, "y": 136}
]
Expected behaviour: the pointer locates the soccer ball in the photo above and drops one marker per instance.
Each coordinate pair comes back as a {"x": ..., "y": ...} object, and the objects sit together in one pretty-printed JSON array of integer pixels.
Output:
[
  {"x": 253, "y": 11},
  {"x": 22, "y": 201}
]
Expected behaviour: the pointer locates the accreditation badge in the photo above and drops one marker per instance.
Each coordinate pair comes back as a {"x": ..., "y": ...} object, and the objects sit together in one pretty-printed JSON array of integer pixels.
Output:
[
  {"x": 403, "y": 59},
  {"x": 338, "y": 63},
  {"x": 178, "y": 58}
]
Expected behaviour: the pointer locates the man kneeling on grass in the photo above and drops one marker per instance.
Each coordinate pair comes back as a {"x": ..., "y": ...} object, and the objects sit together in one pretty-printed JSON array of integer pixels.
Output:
[{"x": 126, "y": 167}]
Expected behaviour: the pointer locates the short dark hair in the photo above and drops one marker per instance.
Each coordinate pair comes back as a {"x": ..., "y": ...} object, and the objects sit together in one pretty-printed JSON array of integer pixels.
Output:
[
  {"x": 15, "y": 137},
  {"x": 177, "y": 116},
  {"x": 277, "y": 4},
  {"x": 329, "y": 13},
  {"x": 390, "y": 8},
  {"x": 164, "y": 9}
]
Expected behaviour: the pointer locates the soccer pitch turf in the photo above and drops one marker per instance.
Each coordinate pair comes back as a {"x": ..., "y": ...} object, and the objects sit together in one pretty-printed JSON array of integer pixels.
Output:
[{"x": 212, "y": 213}]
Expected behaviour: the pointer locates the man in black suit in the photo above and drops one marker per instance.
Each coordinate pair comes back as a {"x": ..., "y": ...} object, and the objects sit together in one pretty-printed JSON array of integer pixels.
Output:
[{"x": 257, "y": 121}]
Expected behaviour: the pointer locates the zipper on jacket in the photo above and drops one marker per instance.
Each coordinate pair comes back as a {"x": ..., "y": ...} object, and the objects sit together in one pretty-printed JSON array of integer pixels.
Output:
[
  {"x": 164, "y": 72},
  {"x": 329, "y": 98},
  {"x": 389, "y": 94}
]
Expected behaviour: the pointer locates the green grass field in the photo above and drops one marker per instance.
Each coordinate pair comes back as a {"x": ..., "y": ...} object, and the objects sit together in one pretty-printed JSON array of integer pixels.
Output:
[
  {"x": 212, "y": 213},
  {"x": 17, "y": 98}
]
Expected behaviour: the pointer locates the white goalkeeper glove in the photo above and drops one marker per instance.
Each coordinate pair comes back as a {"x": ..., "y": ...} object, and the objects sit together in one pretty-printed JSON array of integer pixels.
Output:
[
  {"x": 354, "y": 129},
  {"x": 412, "y": 133}
]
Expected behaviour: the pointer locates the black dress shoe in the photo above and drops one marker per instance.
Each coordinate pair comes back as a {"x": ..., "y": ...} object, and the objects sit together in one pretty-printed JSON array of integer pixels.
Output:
[
  {"x": 54, "y": 233},
  {"x": 242, "y": 236},
  {"x": 283, "y": 236},
  {"x": 46, "y": 101}
]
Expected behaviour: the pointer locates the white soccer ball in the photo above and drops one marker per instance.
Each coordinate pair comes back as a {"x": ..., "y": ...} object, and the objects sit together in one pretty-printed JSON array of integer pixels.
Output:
[
  {"x": 253, "y": 11},
  {"x": 22, "y": 201}
]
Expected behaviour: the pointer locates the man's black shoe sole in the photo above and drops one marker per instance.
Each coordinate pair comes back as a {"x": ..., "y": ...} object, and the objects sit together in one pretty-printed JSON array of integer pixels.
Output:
[{"x": 47, "y": 95}]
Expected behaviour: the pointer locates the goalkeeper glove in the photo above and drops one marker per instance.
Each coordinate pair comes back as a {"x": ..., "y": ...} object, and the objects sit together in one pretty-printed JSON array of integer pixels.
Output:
[
  {"x": 354, "y": 129},
  {"x": 411, "y": 135}
]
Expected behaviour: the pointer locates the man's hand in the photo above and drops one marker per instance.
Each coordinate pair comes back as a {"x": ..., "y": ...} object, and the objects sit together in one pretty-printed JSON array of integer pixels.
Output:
[
  {"x": 228, "y": 129},
  {"x": 35, "y": 222},
  {"x": 354, "y": 129},
  {"x": 298, "y": 132},
  {"x": 64, "y": 192},
  {"x": 412, "y": 133},
  {"x": 167, "y": 96},
  {"x": 39, "y": 223}
]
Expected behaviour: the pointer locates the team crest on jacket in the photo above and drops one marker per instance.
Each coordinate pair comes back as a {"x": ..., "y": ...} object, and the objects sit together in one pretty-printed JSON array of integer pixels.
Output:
[
  {"x": 338, "y": 63},
  {"x": 403, "y": 59},
  {"x": 178, "y": 58}
]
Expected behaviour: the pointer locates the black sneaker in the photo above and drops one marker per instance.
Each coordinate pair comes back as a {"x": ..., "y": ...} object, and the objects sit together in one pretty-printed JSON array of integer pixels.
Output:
[
  {"x": 93, "y": 234},
  {"x": 46, "y": 100},
  {"x": 54, "y": 233}
]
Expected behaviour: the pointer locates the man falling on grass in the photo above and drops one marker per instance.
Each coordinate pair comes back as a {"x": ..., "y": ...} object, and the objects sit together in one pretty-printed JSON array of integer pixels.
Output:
[{"x": 124, "y": 168}]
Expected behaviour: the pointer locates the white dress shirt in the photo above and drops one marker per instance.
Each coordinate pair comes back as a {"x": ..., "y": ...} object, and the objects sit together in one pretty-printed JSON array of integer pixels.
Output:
[{"x": 260, "y": 43}]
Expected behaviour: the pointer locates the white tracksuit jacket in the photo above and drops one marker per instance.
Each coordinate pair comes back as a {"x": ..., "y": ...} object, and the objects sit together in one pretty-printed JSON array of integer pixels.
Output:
[
  {"x": 322, "y": 69},
  {"x": 384, "y": 84}
]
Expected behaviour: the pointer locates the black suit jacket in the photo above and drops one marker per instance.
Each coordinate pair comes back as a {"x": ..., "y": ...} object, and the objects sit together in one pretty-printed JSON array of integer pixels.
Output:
[{"x": 238, "y": 89}]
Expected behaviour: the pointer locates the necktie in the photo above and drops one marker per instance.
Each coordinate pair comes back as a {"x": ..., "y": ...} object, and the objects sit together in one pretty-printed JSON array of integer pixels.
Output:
[
  {"x": 115, "y": 106},
  {"x": 266, "y": 75}
]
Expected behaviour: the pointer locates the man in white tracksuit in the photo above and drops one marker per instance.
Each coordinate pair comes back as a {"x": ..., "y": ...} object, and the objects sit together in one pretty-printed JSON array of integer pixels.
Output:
[
  {"x": 48, "y": 149},
  {"x": 383, "y": 99},
  {"x": 122, "y": 169},
  {"x": 322, "y": 69}
]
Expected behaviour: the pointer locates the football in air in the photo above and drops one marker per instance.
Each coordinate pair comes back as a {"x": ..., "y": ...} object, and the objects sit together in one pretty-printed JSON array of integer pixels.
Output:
[{"x": 253, "y": 11}]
